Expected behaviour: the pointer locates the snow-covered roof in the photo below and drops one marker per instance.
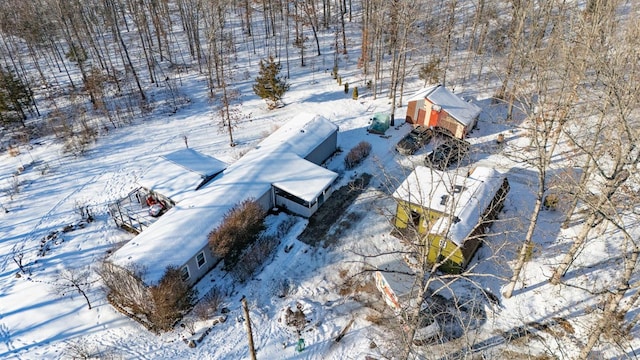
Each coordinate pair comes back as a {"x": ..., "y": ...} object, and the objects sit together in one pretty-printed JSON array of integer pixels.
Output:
[
  {"x": 463, "y": 111},
  {"x": 423, "y": 93},
  {"x": 301, "y": 135},
  {"x": 177, "y": 235},
  {"x": 302, "y": 178},
  {"x": 176, "y": 174},
  {"x": 461, "y": 198},
  {"x": 397, "y": 273}
]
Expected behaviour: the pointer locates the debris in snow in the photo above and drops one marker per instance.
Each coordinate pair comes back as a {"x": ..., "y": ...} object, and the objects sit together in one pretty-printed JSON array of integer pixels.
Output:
[
  {"x": 344, "y": 330},
  {"x": 288, "y": 248},
  {"x": 295, "y": 319},
  {"x": 218, "y": 320},
  {"x": 493, "y": 299}
]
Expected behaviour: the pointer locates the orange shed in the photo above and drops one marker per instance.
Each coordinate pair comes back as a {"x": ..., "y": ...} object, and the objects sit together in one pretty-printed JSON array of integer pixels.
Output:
[{"x": 437, "y": 106}]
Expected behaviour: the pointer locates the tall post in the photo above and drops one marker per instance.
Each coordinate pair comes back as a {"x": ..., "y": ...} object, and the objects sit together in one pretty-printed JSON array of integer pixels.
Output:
[{"x": 245, "y": 308}]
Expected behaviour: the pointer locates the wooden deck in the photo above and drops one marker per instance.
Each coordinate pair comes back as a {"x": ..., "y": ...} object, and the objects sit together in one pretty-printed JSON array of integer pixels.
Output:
[{"x": 132, "y": 211}]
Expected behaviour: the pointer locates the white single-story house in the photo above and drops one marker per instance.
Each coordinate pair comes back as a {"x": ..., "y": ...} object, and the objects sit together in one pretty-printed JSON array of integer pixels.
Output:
[
  {"x": 438, "y": 107},
  {"x": 450, "y": 211},
  {"x": 283, "y": 170},
  {"x": 174, "y": 175}
]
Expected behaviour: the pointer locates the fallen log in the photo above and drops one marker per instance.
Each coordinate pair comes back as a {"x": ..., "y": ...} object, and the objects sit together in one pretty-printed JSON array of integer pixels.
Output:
[{"x": 344, "y": 331}]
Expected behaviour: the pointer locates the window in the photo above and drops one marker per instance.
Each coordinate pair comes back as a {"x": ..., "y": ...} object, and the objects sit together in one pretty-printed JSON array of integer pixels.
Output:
[
  {"x": 200, "y": 259},
  {"x": 185, "y": 273},
  {"x": 415, "y": 218}
]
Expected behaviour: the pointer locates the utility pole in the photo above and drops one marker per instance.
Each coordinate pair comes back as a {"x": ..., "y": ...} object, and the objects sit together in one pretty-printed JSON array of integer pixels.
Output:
[{"x": 245, "y": 308}]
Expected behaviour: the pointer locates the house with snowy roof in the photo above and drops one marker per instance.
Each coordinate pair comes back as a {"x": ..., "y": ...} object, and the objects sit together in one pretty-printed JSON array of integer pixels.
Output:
[
  {"x": 174, "y": 175},
  {"x": 168, "y": 180},
  {"x": 450, "y": 212},
  {"x": 440, "y": 108},
  {"x": 281, "y": 171}
]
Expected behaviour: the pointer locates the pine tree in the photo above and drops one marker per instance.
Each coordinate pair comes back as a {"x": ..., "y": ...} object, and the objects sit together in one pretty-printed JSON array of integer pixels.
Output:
[
  {"x": 15, "y": 98},
  {"x": 269, "y": 84}
]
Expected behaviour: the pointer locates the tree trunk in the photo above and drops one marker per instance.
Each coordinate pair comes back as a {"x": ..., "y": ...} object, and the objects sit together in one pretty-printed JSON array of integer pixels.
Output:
[
  {"x": 245, "y": 310},
  {"x": 611, "y": 187},
  {"x": 84, "y": 294},
  {"x": 519, "y": 17},
  {"x": 527, "y": 246},
  {"x": 613, "y": 310},
  {"x": 126, "y": 52}
]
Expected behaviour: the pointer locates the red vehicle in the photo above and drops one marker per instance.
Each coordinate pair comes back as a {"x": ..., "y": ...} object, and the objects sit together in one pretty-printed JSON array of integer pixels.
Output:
[{"x": 156, "y": 208}]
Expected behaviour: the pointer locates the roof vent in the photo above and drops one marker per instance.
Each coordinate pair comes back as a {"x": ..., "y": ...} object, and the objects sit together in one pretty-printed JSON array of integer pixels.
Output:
[{"x": 443, "y": 199}]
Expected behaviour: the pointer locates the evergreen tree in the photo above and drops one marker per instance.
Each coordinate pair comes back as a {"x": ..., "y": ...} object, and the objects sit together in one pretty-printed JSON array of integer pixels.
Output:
[
  {"x": 15, "y": 98},
  {"x": 269, "y": 84}
]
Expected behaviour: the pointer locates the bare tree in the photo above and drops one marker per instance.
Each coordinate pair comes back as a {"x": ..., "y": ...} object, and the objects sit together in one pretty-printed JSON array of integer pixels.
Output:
[
  {"x": 190, "y": 15},
  {"x": 615, "y": 154},
  {"x": 111, "y": 8},
  {"x": 516, "y": 35},
  {"x": 547, "y": 103},
  {"x": 404, "y": 16},
  {"x": 75, "y": 279},
  {"x": 308, "y": 8},
  {"x": 612, "y": 156},
  {"x": 299, "y": 38},
  {"x": 373, "y": 41}
]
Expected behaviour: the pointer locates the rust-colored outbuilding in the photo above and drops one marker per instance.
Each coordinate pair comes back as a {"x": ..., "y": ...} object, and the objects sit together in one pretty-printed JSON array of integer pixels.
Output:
[{"x": 438, "y": 107}]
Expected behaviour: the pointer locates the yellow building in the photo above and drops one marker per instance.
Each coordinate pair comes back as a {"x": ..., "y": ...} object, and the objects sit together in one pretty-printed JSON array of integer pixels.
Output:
[{"x": 449, "y": 212}]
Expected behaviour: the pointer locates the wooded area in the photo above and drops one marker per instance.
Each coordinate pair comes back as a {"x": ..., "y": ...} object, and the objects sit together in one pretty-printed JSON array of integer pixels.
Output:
[{"x": 569, "y": 71}]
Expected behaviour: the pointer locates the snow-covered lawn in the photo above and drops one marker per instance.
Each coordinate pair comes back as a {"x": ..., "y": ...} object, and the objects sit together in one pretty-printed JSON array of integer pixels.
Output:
[{"x": 40, "y": 321}]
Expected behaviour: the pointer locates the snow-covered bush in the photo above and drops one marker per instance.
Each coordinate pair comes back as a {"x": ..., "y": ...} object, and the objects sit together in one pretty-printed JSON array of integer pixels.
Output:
[
  {"x": 240, "y": 228},
  {"x": 208, "y": 305},
  {"x": 254, "y": 257},
  {"x": 157, "y": 307},
  {"x": 357, "y": 154}
]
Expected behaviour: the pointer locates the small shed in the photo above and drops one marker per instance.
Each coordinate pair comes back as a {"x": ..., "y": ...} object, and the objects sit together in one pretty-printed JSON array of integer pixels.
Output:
[
  {"x": 395, "y": 280},
  {"x": 452, "y": 211},
  {"x": 438, "y": 107}
]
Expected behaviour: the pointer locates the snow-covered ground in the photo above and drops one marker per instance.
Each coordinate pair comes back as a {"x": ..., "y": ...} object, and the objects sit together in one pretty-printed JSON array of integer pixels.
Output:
[{"x": 38, "y": 321}]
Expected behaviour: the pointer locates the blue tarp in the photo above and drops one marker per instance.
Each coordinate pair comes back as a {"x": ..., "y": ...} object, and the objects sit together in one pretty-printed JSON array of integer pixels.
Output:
[{"x": 379, "y": 123}]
